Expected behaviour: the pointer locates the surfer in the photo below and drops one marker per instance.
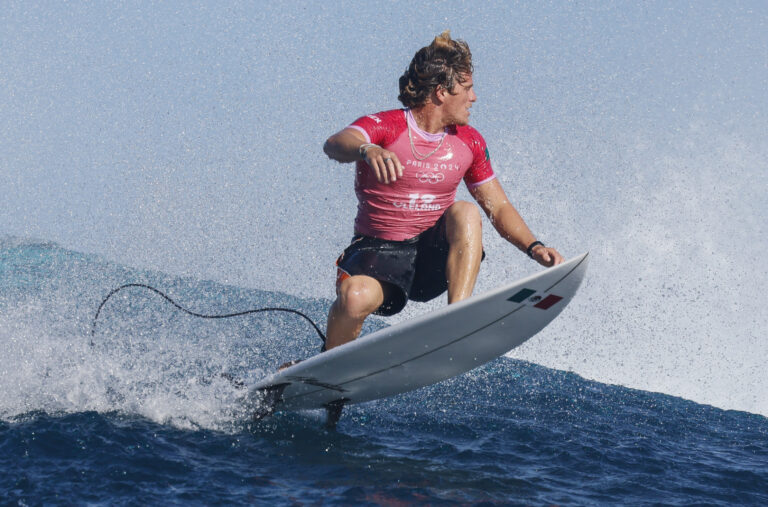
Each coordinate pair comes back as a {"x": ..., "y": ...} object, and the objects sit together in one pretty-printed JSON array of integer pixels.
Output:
[{"x": 412, "y": 239}]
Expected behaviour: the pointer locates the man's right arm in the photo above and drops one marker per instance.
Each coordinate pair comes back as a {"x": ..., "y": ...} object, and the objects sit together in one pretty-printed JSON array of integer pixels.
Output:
[
  {"x": 349, "y": 145},
  {"x": 344, "y": 146}
]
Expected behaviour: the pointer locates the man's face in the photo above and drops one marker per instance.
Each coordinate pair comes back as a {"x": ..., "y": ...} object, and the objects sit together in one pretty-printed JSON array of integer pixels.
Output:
[{"x": 456, "y": 105}]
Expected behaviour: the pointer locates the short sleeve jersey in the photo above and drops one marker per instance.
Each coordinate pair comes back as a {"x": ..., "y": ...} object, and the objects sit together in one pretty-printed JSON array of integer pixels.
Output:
[{"x": 405, "y": 208}]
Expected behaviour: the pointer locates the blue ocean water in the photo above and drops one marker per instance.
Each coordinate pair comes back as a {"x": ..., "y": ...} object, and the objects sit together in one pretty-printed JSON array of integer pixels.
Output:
[{"x": 142, "y": 416}]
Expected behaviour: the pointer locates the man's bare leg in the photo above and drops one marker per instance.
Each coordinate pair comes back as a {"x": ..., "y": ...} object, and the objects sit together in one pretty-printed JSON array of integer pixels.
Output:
[
  {"x": 465, "y": 238},
  {"x": 357, "y": 298}
]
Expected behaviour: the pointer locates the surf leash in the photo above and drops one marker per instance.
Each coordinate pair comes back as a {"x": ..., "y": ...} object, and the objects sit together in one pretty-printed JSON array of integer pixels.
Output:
[{"x": 195, "y": 314}]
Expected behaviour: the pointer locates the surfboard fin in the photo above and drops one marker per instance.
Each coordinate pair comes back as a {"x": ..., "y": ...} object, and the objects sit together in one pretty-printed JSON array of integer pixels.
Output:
[
  {"x": 271, "y": 397},
  {"x": 333, "y": 410}
]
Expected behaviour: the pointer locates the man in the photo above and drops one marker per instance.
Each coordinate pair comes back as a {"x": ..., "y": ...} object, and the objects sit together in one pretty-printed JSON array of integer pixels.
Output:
[{"x": 412, "y": 240}]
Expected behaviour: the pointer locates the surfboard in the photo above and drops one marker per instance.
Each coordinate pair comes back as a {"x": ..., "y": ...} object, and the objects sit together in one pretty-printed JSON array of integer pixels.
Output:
[{"x": 425, "y": 350}]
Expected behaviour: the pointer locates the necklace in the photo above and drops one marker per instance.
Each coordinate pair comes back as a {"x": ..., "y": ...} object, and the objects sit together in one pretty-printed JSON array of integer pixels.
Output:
[{"x": 418, "y": 155}]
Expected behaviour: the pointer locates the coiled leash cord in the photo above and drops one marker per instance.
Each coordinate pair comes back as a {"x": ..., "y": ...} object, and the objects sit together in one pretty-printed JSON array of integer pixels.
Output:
[{"x": 195, "y": 314}]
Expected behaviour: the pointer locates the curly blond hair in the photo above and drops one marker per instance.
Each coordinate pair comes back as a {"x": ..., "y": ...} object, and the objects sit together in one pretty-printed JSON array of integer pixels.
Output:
[{"x": 443, "y": 63}]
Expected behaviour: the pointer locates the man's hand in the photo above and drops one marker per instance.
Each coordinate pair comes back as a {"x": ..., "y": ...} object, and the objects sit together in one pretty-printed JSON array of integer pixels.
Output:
[
  {"x": 546, "y": 256},
  {"x": 384, "y": 163},
  {"x": 349, "y": 145}
]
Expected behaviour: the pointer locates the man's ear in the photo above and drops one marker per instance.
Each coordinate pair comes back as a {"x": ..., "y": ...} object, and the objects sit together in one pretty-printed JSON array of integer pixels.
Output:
[{"x": 439, "y": 94}]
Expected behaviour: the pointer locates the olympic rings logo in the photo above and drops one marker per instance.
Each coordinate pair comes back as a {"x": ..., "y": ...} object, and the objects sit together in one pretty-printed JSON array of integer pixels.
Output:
[{"x": 432, "y": 178}]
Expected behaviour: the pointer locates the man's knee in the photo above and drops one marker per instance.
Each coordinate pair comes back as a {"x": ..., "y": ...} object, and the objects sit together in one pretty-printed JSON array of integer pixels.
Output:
[
  {"x": 463, "y": 217},
  {"x": 359, "y": 296}
]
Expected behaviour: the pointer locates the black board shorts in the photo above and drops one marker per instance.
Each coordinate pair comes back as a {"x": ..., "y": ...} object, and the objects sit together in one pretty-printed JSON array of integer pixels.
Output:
[{"x": 415, "y": 268}]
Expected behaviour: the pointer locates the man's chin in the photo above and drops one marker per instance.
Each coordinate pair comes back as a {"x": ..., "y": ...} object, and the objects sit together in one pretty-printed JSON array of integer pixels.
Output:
[{"x": 463, "y": 123}]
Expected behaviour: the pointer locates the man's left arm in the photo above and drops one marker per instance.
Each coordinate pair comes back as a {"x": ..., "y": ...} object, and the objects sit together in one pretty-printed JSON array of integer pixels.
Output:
[{"x": 509, "y": 224}]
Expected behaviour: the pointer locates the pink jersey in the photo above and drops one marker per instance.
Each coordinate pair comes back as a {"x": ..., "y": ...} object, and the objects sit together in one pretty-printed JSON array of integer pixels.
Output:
[{"x": 412, "y": 204}]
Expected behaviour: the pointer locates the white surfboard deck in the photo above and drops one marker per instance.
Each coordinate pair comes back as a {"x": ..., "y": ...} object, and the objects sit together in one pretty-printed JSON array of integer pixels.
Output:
[{"x": 427, "y": 349}]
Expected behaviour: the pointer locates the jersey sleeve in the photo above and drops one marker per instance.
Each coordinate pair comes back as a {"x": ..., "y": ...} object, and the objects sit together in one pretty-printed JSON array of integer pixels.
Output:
[
  {"x": 380, "y": 128},
  {"x": 480, "y": 171}
]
